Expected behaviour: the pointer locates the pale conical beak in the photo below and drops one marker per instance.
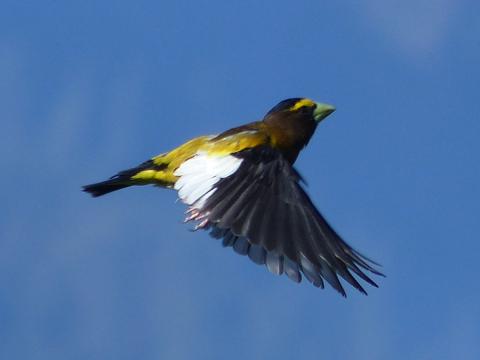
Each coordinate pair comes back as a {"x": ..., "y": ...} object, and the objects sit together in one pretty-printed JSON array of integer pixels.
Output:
[{"x": 322, "y": 111}]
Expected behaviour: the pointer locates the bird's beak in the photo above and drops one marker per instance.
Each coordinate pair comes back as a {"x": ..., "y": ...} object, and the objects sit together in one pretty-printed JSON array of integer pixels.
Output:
[{"x": 322, "y": 111}]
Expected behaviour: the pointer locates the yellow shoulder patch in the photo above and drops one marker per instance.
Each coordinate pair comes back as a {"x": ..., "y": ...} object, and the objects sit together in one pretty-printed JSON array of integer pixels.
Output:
[
  {"x": 164, "y": 165},
  {"x": 237, "y": 142}
]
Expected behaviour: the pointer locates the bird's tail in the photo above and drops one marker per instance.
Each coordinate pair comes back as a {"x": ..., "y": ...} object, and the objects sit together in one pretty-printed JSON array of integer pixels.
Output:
[
  {"x": 140, "y": 175},
  {"x": 105, "y": 187}
]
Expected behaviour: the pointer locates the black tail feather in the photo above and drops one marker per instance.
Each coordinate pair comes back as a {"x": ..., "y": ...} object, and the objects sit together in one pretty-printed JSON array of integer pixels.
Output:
[
  {"x": 104, "y": 187},
  {"x": 121, "y": 180}
]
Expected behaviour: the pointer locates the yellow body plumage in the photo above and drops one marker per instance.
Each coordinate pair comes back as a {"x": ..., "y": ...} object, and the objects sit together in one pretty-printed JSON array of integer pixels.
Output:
[{"x": 164, "y": 165}]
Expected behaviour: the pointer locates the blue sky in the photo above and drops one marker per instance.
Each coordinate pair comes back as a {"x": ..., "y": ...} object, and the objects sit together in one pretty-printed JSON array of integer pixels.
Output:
[{"x": 88, "y": 88}]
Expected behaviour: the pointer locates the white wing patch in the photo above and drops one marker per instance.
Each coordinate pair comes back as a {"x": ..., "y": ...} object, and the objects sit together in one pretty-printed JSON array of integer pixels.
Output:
[{"x": 199, "y": 174}]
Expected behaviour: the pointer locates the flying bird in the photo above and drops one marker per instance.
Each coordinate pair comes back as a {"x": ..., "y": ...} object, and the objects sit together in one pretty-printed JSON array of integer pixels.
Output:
[{"x": 241, "y": 186}]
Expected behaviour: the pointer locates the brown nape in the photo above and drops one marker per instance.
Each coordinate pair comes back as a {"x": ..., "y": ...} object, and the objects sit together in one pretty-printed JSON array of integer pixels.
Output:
[{"x": 290, "y": 131}]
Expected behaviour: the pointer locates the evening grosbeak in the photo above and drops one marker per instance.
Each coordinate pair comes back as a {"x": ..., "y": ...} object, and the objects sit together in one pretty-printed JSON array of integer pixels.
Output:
[{"x": 241, "y": 186}]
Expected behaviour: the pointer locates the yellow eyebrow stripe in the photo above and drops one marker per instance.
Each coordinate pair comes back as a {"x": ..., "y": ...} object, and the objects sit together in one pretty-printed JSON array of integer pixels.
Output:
[{"x": 301, "y": 103}]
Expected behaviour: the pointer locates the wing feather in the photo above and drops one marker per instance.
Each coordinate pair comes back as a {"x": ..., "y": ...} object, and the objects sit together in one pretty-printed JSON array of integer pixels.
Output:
[{"x": 262, "y": 211}]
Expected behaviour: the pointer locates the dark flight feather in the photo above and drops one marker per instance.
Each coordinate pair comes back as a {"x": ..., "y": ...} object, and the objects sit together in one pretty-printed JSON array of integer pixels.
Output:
[{"x": 263, "y": 212}]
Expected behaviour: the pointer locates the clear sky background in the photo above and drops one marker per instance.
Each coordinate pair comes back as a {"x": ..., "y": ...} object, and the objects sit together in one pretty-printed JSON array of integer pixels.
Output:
[{"x": 88, "y": 88}]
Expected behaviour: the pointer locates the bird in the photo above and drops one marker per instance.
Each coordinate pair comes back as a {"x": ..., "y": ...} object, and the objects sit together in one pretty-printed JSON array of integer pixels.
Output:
[{"x": 242, "y": 187}]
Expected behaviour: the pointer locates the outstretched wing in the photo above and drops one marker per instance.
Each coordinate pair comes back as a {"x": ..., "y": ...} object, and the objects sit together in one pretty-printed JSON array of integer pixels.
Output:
[{"x": 254, "y": 201}]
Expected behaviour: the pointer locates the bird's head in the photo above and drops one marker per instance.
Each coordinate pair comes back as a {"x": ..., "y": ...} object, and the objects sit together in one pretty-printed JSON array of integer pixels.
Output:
[
  {"x": 301, "y": 109},
  {"x": 292, "y": 122}
]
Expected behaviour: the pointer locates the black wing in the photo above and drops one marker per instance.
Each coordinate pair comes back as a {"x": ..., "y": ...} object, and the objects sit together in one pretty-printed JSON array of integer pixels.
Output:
[{"x": 262, "y": 211}]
